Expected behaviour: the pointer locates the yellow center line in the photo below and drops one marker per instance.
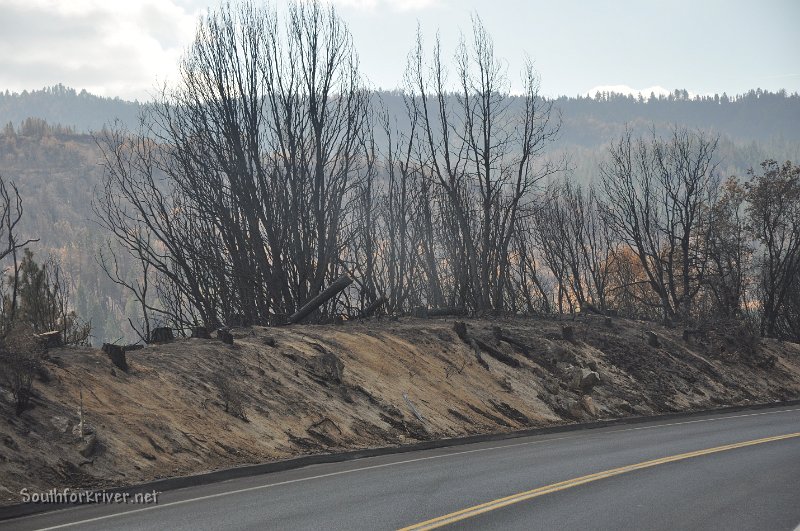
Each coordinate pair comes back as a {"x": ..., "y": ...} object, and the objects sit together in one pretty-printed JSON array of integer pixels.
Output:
[{"x": 476, "y": 510}]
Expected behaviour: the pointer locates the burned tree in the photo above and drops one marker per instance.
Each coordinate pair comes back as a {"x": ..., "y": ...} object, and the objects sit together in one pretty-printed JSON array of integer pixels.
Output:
[
  {"x": 481, "y": 149},
  {"x": 773, "y": 215},
  {"x": 233, "y": 192},
  {"x": 660, "y": 194}
]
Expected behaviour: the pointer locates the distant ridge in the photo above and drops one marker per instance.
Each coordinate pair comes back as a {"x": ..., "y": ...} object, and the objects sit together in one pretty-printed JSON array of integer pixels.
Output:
[
  {"x": 81, "y": 111},
  {"x": 757, "y": 116}
]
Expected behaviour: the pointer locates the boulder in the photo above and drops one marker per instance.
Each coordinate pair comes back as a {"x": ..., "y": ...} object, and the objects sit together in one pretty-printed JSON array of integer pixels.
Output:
[
  {"x": 327, "y": 366},
  {"x": 574, "y": 409},
  {"x": 61, "y": 424},
  {"x": 584, "y": 380},
  {"x": 589, "y": 406}
]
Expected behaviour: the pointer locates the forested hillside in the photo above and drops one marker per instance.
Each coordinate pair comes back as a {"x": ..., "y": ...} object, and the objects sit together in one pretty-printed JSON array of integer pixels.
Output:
[{"x": 48, "y": 149}]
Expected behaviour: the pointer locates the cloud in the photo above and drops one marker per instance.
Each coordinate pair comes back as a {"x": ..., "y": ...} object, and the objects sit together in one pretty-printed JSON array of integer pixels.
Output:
[
  {"x": 392, "y": 5},
  {"x": 108, "y": 47}
]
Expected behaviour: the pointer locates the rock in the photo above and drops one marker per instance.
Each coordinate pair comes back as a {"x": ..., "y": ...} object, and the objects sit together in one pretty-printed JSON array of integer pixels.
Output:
[
  {"x": 61, "y": 424},
  {"x": 328, "y": 367},
  {"x": 269, "y": 341},
  {"x": 564, "y": 367},
  {"x": 574, "y": 409},
  {"x": 88, "y": 446},
  {"x": 592, "y": 365},
  {"x": 652, "y": 339},
  {"x": 589, "y": 406},
  {"x": 584, "y": 380},
  {"x": 87, "y": 429}
]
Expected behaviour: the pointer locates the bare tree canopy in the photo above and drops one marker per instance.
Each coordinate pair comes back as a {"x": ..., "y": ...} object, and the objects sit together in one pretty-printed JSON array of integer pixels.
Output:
[{"x": 234, "y": 191}]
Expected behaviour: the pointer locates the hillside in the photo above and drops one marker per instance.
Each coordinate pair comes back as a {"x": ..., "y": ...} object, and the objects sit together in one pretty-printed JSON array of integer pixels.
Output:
[{"x": 299, "y": 390}]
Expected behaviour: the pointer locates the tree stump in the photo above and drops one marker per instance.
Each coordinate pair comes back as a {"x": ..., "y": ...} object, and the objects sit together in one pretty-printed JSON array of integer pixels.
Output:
[
  {"x": 568, "y": 333},
  {"x": 225, "y": 335},
  {"x": 117, "y": 355},
  {"x": 49, "y": 339},
  {"x": 161, "y": 335},
  {"x": 460, "y": 328}
]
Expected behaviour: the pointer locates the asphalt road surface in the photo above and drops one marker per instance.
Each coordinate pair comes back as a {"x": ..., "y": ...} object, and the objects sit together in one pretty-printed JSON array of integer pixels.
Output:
[{"x": 733, "y": 471}]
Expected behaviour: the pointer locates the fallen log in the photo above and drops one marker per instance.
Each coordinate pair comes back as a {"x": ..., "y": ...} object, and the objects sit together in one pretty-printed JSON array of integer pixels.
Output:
[
  {"x": 502, "y": 357},
  {"x": 442, "y": 312},
  {"x": 420, "y": 312},
  {"x": 514, "y": 342},
  {"x": 200, "y": 332},
  {"x": 372, "y": 308},
  {"x": 328, "y": 293}
]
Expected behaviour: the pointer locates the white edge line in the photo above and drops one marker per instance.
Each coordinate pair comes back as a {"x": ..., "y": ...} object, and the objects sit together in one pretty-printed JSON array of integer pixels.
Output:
[{"x": 373, "y": 467}]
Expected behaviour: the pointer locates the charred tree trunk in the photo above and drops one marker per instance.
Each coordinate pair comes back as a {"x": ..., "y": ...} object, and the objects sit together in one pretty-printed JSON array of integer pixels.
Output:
[{"x": 327, "y": 294}]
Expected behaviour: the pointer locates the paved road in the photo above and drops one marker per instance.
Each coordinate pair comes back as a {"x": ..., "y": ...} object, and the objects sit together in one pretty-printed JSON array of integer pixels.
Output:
[{"x": 734, "y": 471}]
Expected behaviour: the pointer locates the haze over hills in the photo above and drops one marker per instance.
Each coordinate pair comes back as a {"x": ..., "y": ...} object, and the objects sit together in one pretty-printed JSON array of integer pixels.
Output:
[
  {"x": 47, "y": 148},
  {"x": 760, "y": 116}
]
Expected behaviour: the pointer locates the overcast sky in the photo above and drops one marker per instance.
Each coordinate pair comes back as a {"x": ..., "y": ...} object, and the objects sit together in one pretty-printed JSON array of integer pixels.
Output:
[{"x": 123, "y": 48}]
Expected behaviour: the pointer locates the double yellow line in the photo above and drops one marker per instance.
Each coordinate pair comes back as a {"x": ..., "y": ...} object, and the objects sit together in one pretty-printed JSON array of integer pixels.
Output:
[{"x": 476, "y": 510}]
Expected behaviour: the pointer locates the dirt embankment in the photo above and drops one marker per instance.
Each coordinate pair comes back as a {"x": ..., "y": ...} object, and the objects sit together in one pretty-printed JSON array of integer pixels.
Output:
[{"x": 308, "y": 389}]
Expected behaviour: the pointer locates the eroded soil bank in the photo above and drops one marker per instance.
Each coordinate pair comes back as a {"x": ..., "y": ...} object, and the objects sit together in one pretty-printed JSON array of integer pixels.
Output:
[{"x": 310, "y": 389}]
